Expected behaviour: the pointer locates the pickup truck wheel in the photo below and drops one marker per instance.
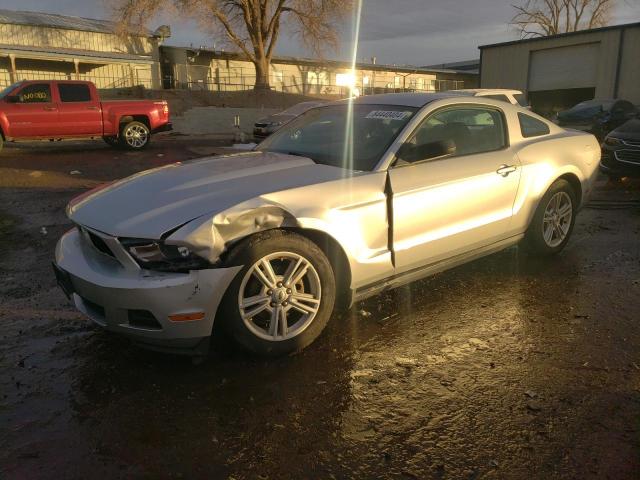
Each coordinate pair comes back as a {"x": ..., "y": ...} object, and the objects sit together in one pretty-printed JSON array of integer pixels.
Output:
[
  {"x": 553, "y": 220},
  {"x": 135, "y": 135},
  {"x": 1, "y": 142},
  {"x": 111, "y": 141},
  {"x": 282, "y": 298}
]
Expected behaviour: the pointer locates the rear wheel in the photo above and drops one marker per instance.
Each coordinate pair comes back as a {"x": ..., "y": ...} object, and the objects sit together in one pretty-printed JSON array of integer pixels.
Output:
[
  {"x": 553, "y": 221},
  {"x": 282, "y": 298},
  {"x": 135, "y": 135}
]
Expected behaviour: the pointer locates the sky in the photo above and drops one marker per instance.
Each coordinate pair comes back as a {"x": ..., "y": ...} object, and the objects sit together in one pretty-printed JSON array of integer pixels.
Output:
[{"x": 401, "y": 32}]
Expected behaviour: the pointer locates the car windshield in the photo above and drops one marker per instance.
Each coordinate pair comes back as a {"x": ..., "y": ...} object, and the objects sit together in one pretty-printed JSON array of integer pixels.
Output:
[
  {"x": 321, "y": 134},
  {"x": 9, "y": 89}
]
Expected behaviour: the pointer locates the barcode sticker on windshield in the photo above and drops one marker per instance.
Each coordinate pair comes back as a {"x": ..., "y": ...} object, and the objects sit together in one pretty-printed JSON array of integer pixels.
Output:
[{"x": 389, "y": 115}]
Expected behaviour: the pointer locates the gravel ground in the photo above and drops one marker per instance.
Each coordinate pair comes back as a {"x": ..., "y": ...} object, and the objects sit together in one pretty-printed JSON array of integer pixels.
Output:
[{"x": 508, "y": 367}]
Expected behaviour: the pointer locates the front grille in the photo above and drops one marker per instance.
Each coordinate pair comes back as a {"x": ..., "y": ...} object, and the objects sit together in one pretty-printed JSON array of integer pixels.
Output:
[
  {"x": 632, "y": 143},
  {"x": 143, "y": 319},
  {"x": 628, "y": 156}
]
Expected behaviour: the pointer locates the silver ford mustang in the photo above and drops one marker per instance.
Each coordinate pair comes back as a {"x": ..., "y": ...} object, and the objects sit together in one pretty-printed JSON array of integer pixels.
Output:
[{"x": 345, "y": 201}]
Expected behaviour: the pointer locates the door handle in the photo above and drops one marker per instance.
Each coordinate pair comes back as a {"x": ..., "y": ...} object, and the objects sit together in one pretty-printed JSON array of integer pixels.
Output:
[
  {"x": 50, "y": 109},
  {"x": 505, "y": 170},
  {"x": 92, "y": 108}
]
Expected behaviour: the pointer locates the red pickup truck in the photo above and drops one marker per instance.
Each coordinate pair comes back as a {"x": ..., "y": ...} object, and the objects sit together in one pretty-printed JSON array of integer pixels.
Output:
[{"x": 56, "y": 109}]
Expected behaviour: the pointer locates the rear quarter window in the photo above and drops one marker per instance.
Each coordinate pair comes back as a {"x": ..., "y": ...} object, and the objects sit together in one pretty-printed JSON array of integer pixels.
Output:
[{"x": 532, "y": 127}]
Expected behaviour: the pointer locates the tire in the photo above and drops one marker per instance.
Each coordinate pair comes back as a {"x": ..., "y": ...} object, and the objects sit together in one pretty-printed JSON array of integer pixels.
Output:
[
  {"x": 306, "y": 305},
  {"x": 1, "y": 142},
  {"x": 134, "y": 135},
  {"x": 553, "y": 221},
  {"x": 112, "y": 141}
]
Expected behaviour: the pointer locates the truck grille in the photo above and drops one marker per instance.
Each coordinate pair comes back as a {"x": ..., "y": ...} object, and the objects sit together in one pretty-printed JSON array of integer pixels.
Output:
[{"x": 628, "y": 156}]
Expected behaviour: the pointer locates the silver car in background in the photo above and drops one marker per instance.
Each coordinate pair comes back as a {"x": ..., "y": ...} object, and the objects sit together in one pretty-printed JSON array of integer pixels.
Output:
[
  {"x": 345, "y": 201},
  {"x": 267, "y": 125}
]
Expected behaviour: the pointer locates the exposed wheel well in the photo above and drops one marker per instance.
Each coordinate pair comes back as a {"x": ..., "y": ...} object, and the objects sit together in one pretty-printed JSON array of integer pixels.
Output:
[
  {"x": 135, "y": 118},
  {"x": 575, "y": 185},
  {"x": 338, "y": 260}
]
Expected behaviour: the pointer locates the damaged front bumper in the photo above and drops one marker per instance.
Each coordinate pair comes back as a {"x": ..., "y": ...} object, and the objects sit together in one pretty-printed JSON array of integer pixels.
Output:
[{"x": 141, "y": 303}]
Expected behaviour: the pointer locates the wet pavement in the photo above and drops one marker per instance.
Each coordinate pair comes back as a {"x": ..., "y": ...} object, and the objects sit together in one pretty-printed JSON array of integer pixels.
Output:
[{"x": 508, "y": 367}]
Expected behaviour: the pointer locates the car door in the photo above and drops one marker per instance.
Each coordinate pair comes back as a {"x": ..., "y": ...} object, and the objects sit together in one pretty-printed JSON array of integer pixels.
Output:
[
  {"x": 457, "y": 202},
  {"x": 34, "y": 113},
  {"x": 79, "y": 113}
]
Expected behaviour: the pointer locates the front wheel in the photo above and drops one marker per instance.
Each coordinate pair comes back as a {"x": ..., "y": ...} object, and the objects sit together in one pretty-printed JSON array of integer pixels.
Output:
[
  {"x": 283, "y": 296},
  {"x": 553, "y": 220},
  {"x": 135, "y": 135}
]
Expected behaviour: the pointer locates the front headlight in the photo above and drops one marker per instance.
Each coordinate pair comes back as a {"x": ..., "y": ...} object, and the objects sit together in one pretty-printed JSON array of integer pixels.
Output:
[
  {"x": 612, "y": 141},
  {"x": 156, "y": 255}
]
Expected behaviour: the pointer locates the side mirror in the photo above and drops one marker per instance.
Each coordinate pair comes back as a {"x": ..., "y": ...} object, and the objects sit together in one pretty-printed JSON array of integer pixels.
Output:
[
  {"x": 414, "y": 153},
  {"x": 12, "y": 98}
]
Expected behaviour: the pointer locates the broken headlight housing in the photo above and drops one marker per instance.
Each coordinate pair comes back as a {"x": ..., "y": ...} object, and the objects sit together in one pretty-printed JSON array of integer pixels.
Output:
[{"x": 156, "y": 255}]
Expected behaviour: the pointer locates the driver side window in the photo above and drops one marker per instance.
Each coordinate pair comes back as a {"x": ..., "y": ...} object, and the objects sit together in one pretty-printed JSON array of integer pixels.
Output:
[
  {"x": 35, "y": 93},
  {"x": 457, "y": 131}
]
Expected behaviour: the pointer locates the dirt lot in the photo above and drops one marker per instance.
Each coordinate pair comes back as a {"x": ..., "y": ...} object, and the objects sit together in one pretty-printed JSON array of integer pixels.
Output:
[{"x": 509, "y": 367}]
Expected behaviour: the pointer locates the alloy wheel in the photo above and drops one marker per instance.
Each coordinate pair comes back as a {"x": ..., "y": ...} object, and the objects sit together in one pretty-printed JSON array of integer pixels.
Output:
[
  {"x": 136, "y": 136},
  {"x": 279, "y": 296},
  {"x": 556, "y": 221}
]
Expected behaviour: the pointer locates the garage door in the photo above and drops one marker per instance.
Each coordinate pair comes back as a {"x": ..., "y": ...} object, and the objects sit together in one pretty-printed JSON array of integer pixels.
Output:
[{"x": 564, "y": 67}]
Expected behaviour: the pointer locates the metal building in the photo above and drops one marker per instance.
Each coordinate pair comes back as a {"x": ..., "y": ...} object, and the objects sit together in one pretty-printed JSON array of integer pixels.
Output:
[
  {"x": 36, "y": 45},
  {"x": 561, "y": 70}
]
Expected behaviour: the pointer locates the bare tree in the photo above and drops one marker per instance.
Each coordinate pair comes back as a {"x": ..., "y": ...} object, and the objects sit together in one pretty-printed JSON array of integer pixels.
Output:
[
  {"x": 539, "y": 18},
  {"x": 251, "y": 26}
]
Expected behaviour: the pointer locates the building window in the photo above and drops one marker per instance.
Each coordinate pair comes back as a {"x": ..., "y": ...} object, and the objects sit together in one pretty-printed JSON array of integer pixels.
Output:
[{"x": 345, "y": 80}]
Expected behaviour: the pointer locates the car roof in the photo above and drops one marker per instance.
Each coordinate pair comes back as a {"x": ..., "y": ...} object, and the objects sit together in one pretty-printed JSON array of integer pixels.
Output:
[
  {"x": 403, "y": 99},
  {"x": 488, "y": 91}
]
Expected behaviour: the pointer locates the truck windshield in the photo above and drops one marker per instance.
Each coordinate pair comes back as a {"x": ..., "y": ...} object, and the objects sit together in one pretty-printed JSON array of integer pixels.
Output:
[
  {"x": 326, "y": 136},
  {"x": 9, "y": 89}
]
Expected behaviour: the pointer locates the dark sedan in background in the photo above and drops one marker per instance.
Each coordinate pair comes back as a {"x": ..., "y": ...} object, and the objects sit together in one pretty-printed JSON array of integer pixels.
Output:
[
  {"x": 621, "y": 151},
  {"x": 598, "y": 117},
  {"x": 266, "y": 126}
]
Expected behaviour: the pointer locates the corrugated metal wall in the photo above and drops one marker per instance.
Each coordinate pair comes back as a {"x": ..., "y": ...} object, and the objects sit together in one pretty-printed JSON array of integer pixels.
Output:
[
  {"x": 53, "y": 37},
  {"x": 507, "y": 66},
  {"x": 111, "y": 74}
]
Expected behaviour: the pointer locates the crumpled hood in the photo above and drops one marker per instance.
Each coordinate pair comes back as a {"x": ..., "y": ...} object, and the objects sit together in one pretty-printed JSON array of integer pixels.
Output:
[{"x": 150, "y": 203}]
